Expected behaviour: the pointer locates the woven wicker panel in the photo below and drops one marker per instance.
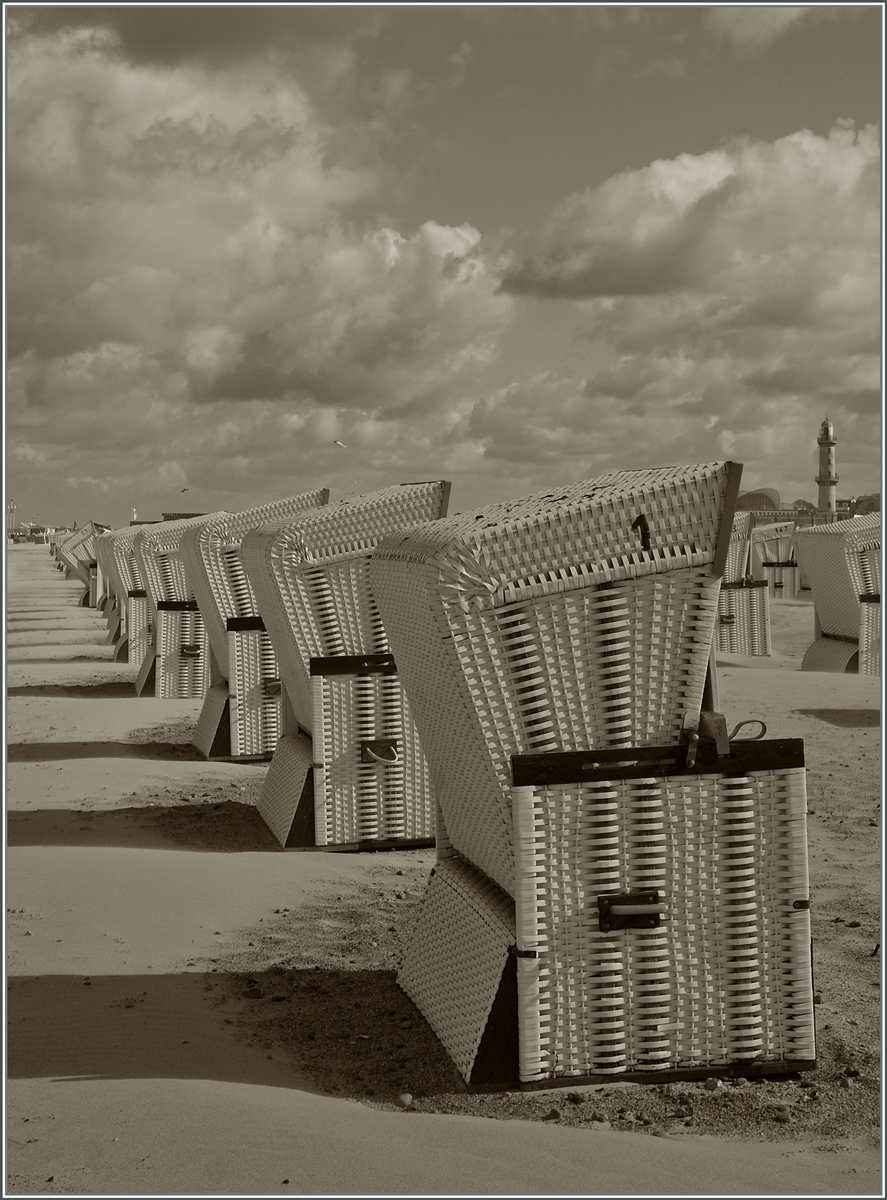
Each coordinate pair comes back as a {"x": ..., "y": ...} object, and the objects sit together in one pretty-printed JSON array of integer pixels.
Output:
[
  {"x": 211, "y": 715},
  {"x": 139, "y": 628},
  {"x": 181, "y": 676},
  {"x": 358, "y": 801},
  {"x": 744, "y": 621},
  {"x": 505, "y": 644},
  {"x": 158, "y": 554},
  {"x": 283, "y": 785},
  {"x": 79, "y": 548},
  {"x": 105, "y": 559},
  {"x": 771, "y": 543},
  {"x": 124, "y": 573},
  {"x": 309, "y": 575},
  {"x": 95, "y": 586},
  {"x": 255, "y": 705},
  {"x": 454, "y": 961},
  {"x": 783, "y": 583},
  {"x": 870, "y": 638},
  {"x": 838, "y": 655},
  {"x": 726, "y": 977},
  {"x": 738, "y": 552},
  {"x": 606, "y": 666},
  {"x": 211, "y": 555},
  {"x": 841, "y": 562}
]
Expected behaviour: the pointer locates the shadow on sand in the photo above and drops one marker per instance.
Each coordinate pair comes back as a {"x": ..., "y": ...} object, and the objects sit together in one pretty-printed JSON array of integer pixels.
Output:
[
  {"x": 21, "y": 752},
  {"x": 844, "y": 718},
  {"x": 118, "y": 689},
  {"x": 227, "y": 827},
  {"x": 345, "y": 1033}
]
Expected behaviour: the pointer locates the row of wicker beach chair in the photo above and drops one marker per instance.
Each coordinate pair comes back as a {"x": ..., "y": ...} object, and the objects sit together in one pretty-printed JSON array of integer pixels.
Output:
[{"x": 620, "y": 886}]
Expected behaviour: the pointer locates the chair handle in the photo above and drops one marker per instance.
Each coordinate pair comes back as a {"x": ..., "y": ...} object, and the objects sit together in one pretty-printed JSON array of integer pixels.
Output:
[
  {"x": 751, "y": 721},
  {"x": 377, "y": 758}
]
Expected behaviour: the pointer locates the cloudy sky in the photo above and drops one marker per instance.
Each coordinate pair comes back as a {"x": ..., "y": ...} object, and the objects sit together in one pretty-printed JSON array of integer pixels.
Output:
[{"x": 508, "y": 246}]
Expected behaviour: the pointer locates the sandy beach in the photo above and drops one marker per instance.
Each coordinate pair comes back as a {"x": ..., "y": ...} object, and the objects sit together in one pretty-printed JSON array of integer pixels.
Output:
[{"x": 194, "y": 1011}]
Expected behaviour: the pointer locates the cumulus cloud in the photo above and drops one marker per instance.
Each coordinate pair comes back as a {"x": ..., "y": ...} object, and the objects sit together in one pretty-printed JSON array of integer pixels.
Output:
[
  {"x": 185, "y": 244},
  {"x": 700, "y": 222},
  {"x": 752, "y": 27},
  {"x": 737, "y": 293}
]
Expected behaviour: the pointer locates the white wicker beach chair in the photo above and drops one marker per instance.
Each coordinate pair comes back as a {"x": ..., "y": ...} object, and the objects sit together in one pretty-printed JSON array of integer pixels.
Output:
[
  {"x": 349, "y": 771},
  {"x": 614, "y": 896},
  {"x": 842, "y": 561},
  {"x": 176, "y": 664},
  {"x": 744, "y": 603},
  {"x": 76, "y": 553},
  {"x": 241, "y": 715},
  {"x": 129, "y": 621},
  {"x": 772, "y": 559},
  {"x": 870, "y": 634},
  {"x": 105, "y": 594}
]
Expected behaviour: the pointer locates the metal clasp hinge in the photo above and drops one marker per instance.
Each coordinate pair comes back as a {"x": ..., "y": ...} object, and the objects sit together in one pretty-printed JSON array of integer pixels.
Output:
[
  {"x": 641, "y": 909},
  {"x": 381, "y": 750}
]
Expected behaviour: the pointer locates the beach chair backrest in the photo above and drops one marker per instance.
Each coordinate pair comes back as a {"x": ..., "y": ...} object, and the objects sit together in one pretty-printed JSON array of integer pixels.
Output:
[
  {"x": 158, "y": 554},
  {"x": 211, "y": 553},
  {"x": 842, "y": 561},
  {"x": 737, "y": 554},
  {"x": 309, "y": 574},
  {"x": 577, "y": 618}
]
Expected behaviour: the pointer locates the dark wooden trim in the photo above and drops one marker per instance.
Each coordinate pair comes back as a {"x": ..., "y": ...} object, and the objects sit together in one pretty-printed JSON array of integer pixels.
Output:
[
  {"x": 241, "y": 624},
  {"x": 746, "y": 583},
  {"x": 354, "y": 664},
  {"x": 177, "y": 606},
  {"x": 591, "y": 766},
  {"x": 731, "y": 495}
]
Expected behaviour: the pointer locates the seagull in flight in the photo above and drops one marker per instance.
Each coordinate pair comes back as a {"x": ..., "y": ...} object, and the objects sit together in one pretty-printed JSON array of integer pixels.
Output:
[{"x": 338, "y": 443}]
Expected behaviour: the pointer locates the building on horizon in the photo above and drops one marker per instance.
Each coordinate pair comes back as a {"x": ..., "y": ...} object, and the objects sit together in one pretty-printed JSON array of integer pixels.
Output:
[{"x": 768, "y": 507}]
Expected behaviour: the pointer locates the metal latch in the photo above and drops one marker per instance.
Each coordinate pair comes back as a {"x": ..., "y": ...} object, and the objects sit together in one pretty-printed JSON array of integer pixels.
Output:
[
  {"x": 640, "y": 909},
  {"x": 381, "y": 750},
  {"x": 714, "y": 725},
  {"x": 190, "y": 651}
]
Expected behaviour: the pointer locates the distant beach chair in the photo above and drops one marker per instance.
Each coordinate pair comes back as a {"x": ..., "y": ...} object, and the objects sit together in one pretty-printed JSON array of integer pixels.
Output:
[
  {"x": 107, "y": 599},
  {"x": 129, "y": 617},
  {"x": 614, "y": 897},
  {"x": 842, "y": 561},
  {"x": 348, "y": 772},
  {"x": 744, "y": 603},
  {"x": 241, "y": 712},
  {"x": 77, "y": 556},
  {"x": 772, "y": 559},
  {"x": 176, "y": 663}
]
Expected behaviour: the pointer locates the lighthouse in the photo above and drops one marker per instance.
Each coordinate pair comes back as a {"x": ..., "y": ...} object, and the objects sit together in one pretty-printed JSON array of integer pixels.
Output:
[{"x": 827, "y": 479}]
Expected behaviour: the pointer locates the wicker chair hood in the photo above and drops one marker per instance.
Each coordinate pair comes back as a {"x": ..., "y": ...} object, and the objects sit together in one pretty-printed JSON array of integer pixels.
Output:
[
  {"x": 211, "y": 553},
  {"x": 80, "y": 546},
  {"x": 310, "y": 577},
  {"x": 158, "y": 554},
  {"x": 621, "y": 525},
  {"x": 567, "y": 620},
  {"x": 121, "y": 549},
  {"x": 842, "y": 562},
  {"x": 350, "y": 528},
  {"x": 737, "y": 554}
]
